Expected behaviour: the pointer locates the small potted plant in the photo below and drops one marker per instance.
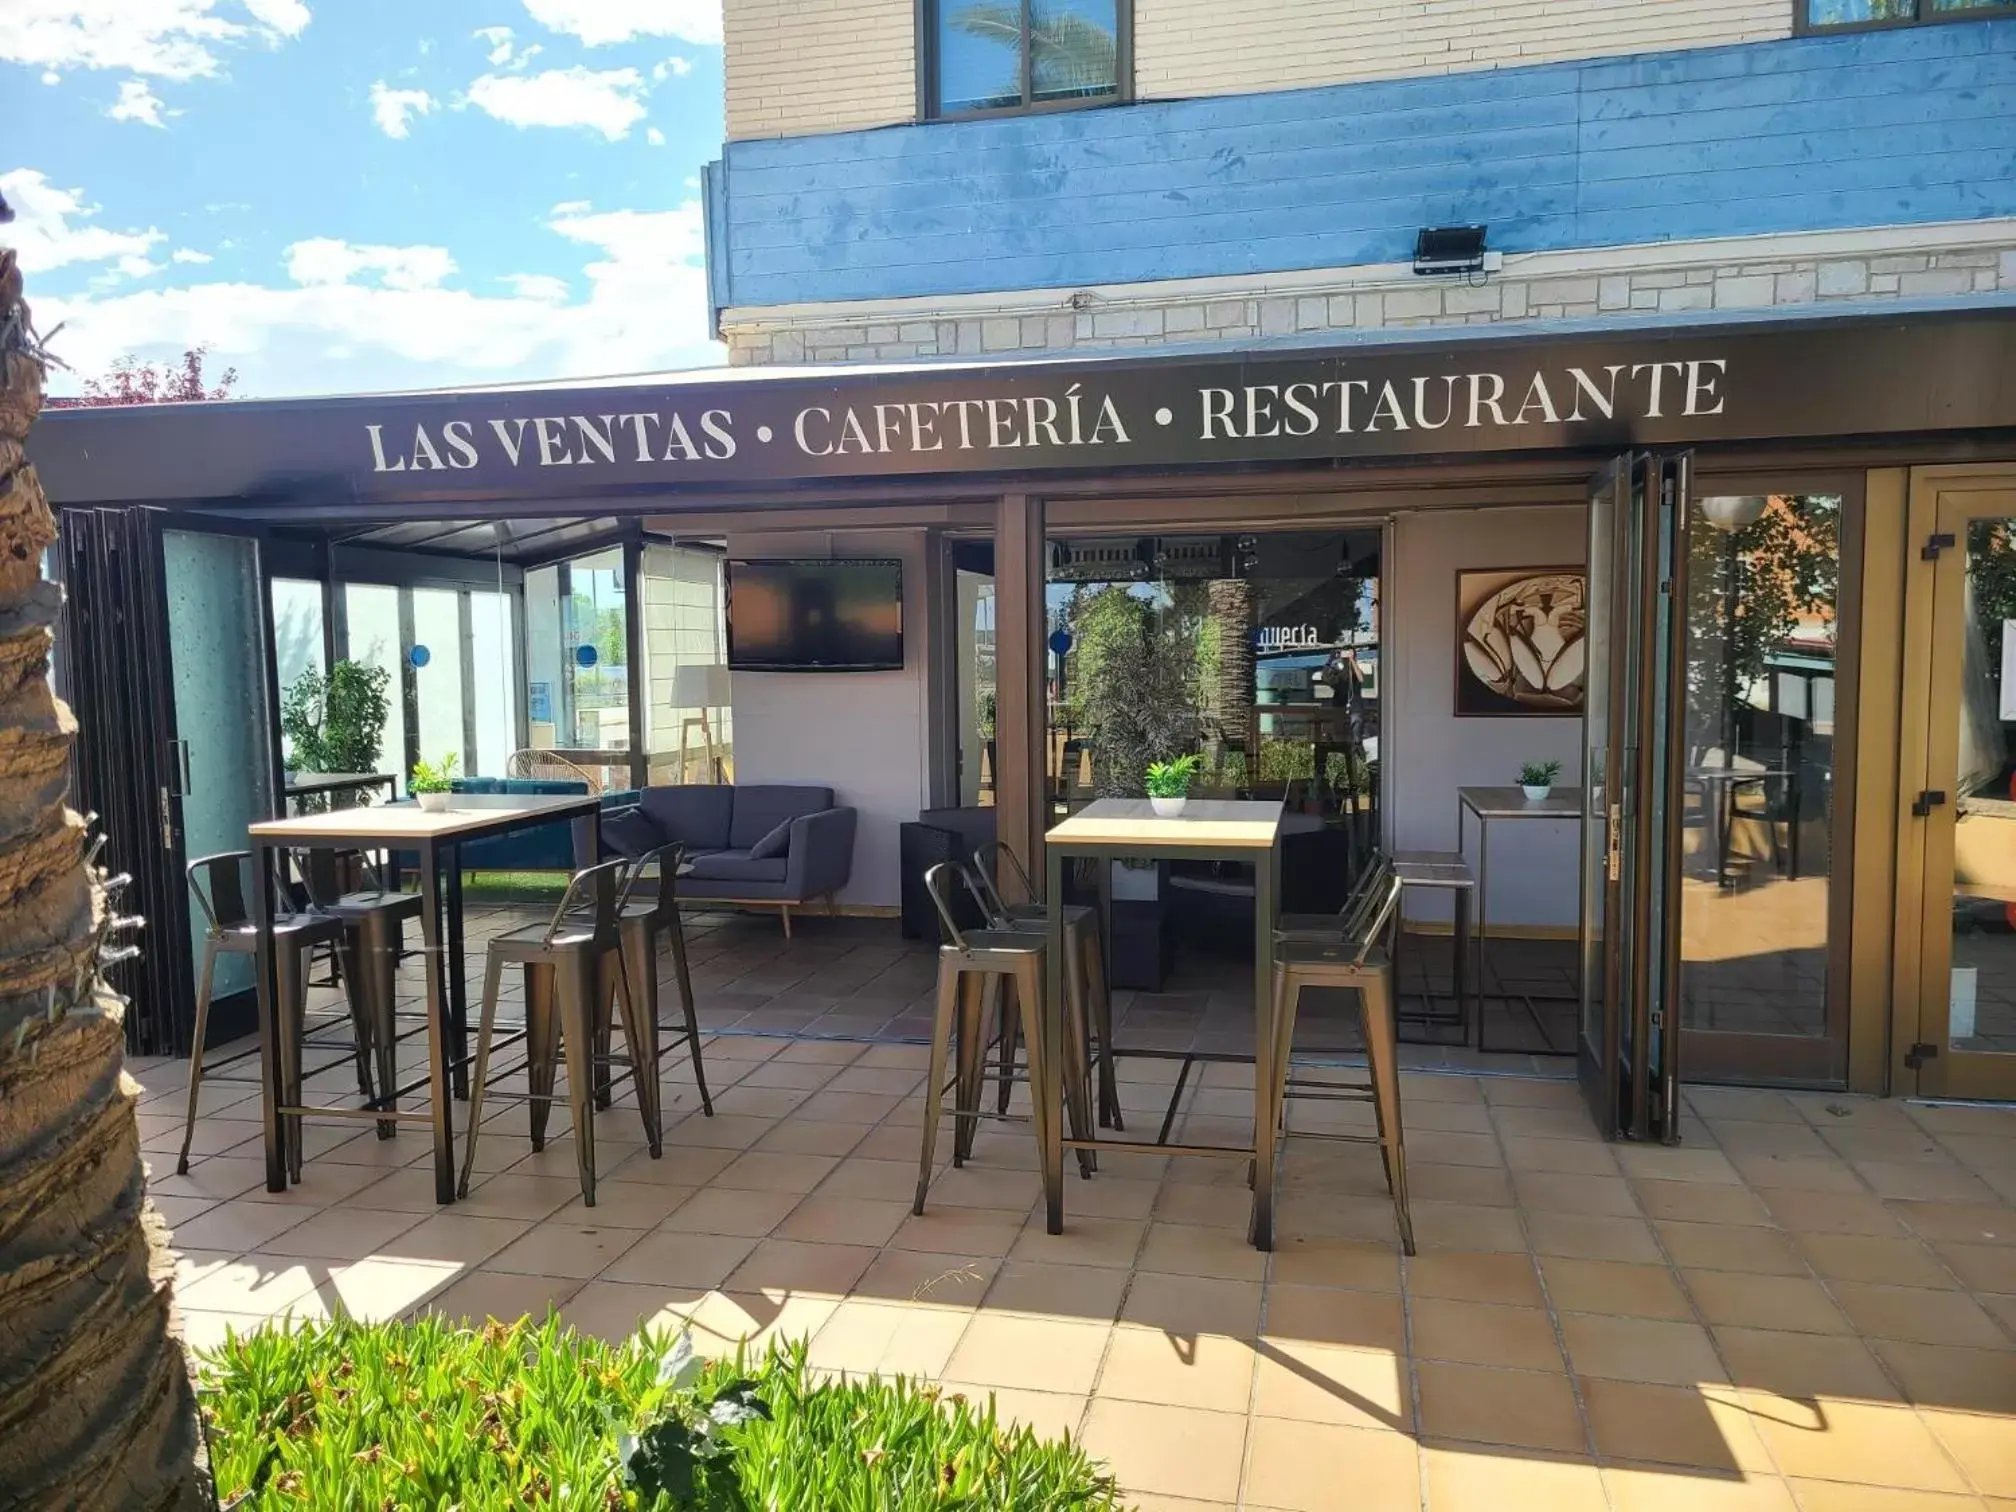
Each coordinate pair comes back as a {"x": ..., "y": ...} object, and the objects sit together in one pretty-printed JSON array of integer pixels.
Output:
[
  {"x": 431, "y": 783},
  {"x": 1536, "y": 779},
  {"x": 1169, "y": 784}
]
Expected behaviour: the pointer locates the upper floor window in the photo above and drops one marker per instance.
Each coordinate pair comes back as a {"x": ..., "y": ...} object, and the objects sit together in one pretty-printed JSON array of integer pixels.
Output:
[
  {"x": 1822, "y": 15},
  {"x": 985, "y": 56}
]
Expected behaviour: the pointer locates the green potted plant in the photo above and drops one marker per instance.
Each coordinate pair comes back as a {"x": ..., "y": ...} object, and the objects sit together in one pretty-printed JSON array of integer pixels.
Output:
[
  {"x": 1168, "y": 784},
  {"x": 335, "y": 723},
  {"x": 432, "y": 783},
  {"x": 1536, "y": 779}
]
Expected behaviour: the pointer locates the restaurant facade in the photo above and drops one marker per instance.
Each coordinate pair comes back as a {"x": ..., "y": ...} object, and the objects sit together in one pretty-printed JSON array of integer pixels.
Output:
[{"x": 1746, "y": 583}]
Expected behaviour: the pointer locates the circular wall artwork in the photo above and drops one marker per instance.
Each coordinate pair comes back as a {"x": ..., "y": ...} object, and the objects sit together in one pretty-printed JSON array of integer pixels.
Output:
[{"x": 1522, "y": 646}]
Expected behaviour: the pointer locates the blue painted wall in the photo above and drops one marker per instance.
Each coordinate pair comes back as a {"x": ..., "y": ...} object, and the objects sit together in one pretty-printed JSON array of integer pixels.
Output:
[{"x": 1872, "y": 128}]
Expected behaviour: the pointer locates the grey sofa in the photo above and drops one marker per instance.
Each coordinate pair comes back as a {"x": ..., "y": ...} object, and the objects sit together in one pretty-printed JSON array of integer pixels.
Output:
[{"x": 809, "y": 852}]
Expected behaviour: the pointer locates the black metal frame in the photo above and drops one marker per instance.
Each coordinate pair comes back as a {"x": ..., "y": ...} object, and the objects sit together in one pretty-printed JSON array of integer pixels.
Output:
[
  {"x": 1804, "y": 26},
  {"x": 928, "y": 81}
]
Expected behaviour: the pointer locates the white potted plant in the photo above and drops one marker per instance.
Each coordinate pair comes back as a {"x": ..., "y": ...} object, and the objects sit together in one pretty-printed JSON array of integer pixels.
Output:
[
  {"x": 1536, "y": 779},
  {"x": 431, "y": 783},
  {"x": 1168, "y": 784}
]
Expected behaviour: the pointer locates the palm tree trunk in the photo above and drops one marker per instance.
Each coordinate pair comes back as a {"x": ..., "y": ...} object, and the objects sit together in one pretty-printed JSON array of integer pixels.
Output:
[
  {"x": 1231, "y": 604},
  {"x": 96, "y": 1407}
]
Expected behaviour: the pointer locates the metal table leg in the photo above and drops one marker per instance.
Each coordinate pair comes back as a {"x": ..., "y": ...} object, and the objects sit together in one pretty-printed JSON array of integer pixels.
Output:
[
  {"x": 1045, "y": 1097},
  {"x": 438, "y": 1029},
  {"x": 1266, "y": 1101},
  {"x": 271, "y": 1125}
]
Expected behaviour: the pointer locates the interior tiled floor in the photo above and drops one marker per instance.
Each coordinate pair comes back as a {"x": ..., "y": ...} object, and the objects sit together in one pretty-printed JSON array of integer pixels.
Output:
[{"x": 1810, "y": 1304}]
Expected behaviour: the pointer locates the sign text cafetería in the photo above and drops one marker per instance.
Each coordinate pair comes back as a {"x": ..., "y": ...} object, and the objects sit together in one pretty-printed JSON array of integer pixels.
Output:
[
  {"x": 1773, "y": 381},
  {"x": 1056, "y": 419}
]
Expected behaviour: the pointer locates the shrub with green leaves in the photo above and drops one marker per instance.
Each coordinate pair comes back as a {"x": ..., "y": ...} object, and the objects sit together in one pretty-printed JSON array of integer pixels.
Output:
[{"x": 431, "y": 1415}]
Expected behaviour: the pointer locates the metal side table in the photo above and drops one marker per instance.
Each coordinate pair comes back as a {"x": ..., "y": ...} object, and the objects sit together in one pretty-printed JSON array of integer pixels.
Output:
[{"x": 1510, "y": 803}]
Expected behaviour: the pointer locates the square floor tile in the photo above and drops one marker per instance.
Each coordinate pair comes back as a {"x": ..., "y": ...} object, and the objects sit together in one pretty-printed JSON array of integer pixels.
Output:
[
  {"x": 1476, "y": 1333},
  {"x": 692, "y": 1262},
  {"x": 1731, "y": 1247},
  {"x": 1706, "y": 1427},
  {"x": 761, "y": 1171},
  {"x": 1847, "y": 1212},
  {"x": 728, "y": 1210},
  {"x": 1465, "y": 1478},
  {"x": 1297, "y": 1466},
  {"x": 614, "y": 1310},
  {"x": 1194, "y": 1305},
  {"x": 960, "y": 1231},
  {"x": 1178, "y": 1369},
  {"x": 1353, "y": 1320},
  {"x": 1321, "y": 1383},
  {"x": 917, "y": 1279},
  {"x": 1803, "y": 1365},
  {"x": 1168, "y": 1450},
  {"x": 1981, "y": 1442},
  {"x": 1336, "y": 1262},
  {"x": 1795, "y": 1304},
  {"x": 484, "y": 1294},
  {"x": 864, "y": 1338},
  {"x": 1661, "y": 1488},
  {"x": 1875, "y": 1443},
  {"x": 1701, "y": 1202},
  {"x": 1876, "y": 1260},
  {"x": 561, "y": 1249},
  {"x": 1607, "y": 1286},
  {"x": 844, "y": 1220},
  {"x": 1075, "y": 1293},
  {"x": 1467, "y": 1276},
  {"x": 786, "y": 1265},
  {"x": 240, "y": 1224},
  {"x": 1652, "y": 1350},
  {"x": 457, "y": 1237},
  {"x": 1516, "y": 1409},
  {"x": 1627, "y": 1241},
  {"x": 1915, "y": 1316},
  {"x": 1938, "y": 1376},
  {"x": 1113, "y": 1243},
  {"x": 1029, "y": 1353}
]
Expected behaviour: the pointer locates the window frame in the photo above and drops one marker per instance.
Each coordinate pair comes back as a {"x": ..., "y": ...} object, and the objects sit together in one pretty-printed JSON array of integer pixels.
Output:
[
  {"x": 927, "y": 12},
  {"x": 1804, "y": 26}
]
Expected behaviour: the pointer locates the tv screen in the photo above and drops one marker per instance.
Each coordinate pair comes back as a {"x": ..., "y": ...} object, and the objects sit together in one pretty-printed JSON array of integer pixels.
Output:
[{"x": 840, "y": 616}]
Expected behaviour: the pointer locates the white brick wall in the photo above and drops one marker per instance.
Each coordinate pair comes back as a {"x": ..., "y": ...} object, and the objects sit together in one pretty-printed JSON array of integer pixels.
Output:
[
  {"x": 1661, "y": 279},
  {"x": 800, "y": 67},
  {"x": 796, "y": 67},
  {"x": 1205, "y": 47}
]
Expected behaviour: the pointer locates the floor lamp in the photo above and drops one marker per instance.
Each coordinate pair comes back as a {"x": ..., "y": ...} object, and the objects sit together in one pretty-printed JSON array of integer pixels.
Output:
[{"x": 701, "y": 686}]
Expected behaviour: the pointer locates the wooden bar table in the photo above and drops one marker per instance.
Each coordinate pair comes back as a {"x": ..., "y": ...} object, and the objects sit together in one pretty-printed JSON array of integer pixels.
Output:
[
  {"x": 1114, "y": 829},
  {"x": 434, "y": 838}
]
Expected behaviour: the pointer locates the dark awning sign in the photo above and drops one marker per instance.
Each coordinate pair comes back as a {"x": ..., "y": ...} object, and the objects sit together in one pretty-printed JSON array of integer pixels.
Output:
[{"x": 1810, "y": 379}]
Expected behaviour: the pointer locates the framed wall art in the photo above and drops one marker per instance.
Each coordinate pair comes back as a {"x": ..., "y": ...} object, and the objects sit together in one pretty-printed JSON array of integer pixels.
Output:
[{"x": 1519, "y": 641}]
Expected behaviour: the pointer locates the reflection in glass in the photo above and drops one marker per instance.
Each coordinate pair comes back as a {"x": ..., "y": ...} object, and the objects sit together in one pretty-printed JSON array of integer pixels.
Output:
[
  {"x": 1982, "y": 1004},
  {"x": 1071, "y": 48},
  {"x": 437, "y": 625},
  {"x": 683, "y": 638},
  {"x": 977, "y": 709},
  {"x": 371, "y": 617},
  {"x": 495, "y": 694},
  {"x": 1763, "y": 586},
  {"x": 297, "y": 630},
  {"x": 1860, "y": 12}
]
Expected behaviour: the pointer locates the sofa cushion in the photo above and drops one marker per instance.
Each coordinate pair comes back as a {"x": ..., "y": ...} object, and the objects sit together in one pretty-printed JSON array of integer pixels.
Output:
[
  {"x": 776, "y": 843},
  {"x": 737, "y": 866},
  {"x": 539, "y": 785},
  {"x": 696, "y": 816},
  {"x": 761, "y": 807},
  {"x": 630, "y": 832},
  {"x": 473, "y": 784}
]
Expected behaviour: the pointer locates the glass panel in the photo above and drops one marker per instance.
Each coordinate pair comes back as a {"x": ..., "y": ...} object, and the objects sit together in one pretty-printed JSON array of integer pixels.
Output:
[
  {"x": 217, "y": 649},
  {"x": 1860, "y": 12},
  {"x": 1981, "y": 1012},
  {"x": 371, "y": 613},
  {"x": 576, "y": 639},
  {"x": 685, "y": 657},
  {"x": 297, "y": 632},
  {"x": 979, "y": 55},
  {"x": 1757, "y": 824},
  {"x": 1971, "y": 5},
  {"x": 496, "y": 688},
  {"x": 977, "y": 750},
  {"x": 1074, "y": 51},
  {"x": 437, "y": 675},
  {"x": 1604, "y": 503}
]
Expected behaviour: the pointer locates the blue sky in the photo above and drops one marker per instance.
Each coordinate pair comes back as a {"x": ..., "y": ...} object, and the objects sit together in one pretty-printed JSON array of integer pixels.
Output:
[{"x": 344, "y": 195}]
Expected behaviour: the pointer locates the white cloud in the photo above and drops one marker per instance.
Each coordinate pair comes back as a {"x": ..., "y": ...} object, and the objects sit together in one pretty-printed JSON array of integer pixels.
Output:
[
  {"x": 671, "y": 68},
  {"x": 51, "y": 228},
  {"x": 644, "y": 310},
  {"x": 137, "y": 102},
  {"x": 52, "y": 77},
  {"x": 394, "y": 108},
  {"x": 654, "y": 136},
  {"x": 610, "y": 101},
  {"x": 169, "y": 39},
  {"x": 601, "y": 22},
  {"x": 499, "y": 38},
  {"x": 329, "y": 260},
  {"x": 189, "y": 255}
]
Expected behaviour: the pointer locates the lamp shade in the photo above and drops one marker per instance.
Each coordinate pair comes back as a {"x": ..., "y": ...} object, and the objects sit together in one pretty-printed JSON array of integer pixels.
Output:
[
  {"x": 701, "y": 685},
  {"x": 1733, "y": 512}
]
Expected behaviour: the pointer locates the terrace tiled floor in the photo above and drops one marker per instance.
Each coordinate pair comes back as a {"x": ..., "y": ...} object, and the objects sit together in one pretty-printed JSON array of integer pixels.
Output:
[{"x": 1810, "y": 1305}]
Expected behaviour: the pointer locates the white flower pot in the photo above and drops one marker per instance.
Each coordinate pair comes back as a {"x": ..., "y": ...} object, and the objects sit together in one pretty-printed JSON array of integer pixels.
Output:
[
  {"x": 1168, "y": 808},
  {"x": 1535, "y": 792},
  {"x": 434, "y": 803}
]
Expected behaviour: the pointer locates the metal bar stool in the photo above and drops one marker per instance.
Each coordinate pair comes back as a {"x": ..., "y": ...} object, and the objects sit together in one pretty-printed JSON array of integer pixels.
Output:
[
  {"x": 1445, "y": 871},
  {"x": 568, "y": 965},
  {"x": 973, "y": 968},
  {"x": 1363, "y": 962},
  {"x": 640, "y": 925},
  {"x": 368, "y": 951},
  {"x": 1086, "y": 973},
  {"x": 219, "y": 885}
]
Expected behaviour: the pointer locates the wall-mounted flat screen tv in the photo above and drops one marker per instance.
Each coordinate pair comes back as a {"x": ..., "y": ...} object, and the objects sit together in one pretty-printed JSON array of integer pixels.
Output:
[{"x": 813, "y": 616}]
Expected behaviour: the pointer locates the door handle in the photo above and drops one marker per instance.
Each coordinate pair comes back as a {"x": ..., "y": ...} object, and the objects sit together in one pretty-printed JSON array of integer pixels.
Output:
[
  {"x": 1614, "y": 842},
  {"x": 167, "y": 820}
]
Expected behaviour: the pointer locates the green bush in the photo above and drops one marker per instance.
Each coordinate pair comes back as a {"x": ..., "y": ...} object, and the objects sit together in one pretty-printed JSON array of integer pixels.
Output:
[{"x": 430, "y": 1416}]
